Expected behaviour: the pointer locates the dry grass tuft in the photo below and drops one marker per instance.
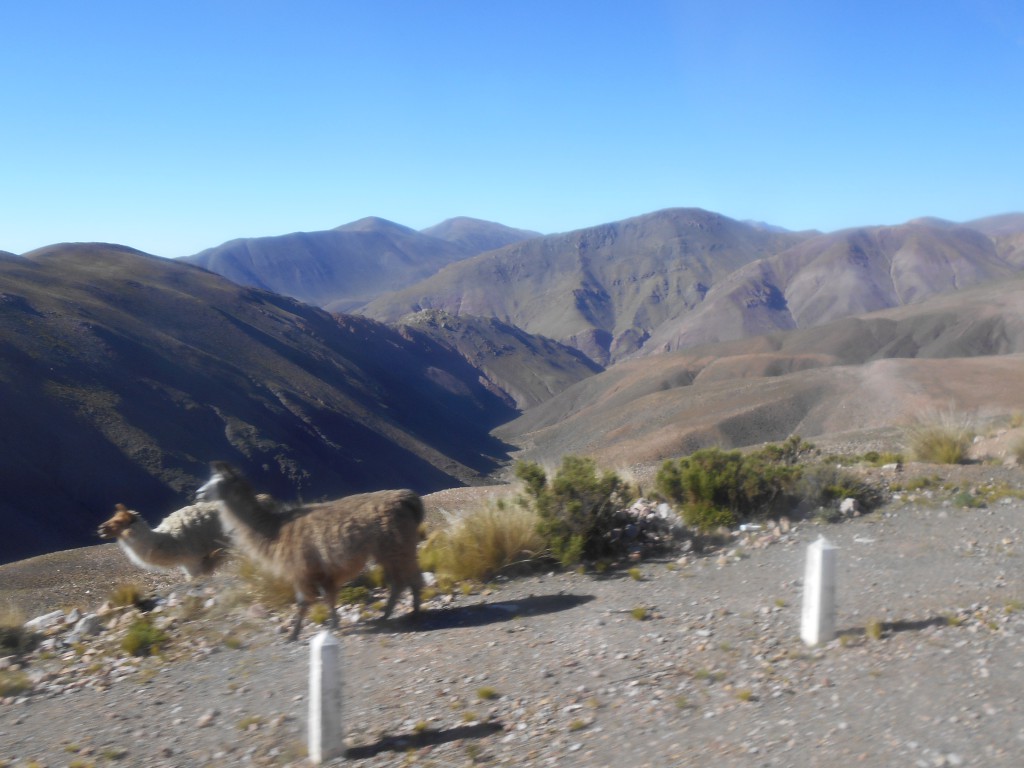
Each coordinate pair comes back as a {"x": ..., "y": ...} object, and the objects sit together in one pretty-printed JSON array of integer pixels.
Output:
[
  {"x": 941, "y": 438},
  {"x": 265, "y": 588},
  {"x": 483, "y": 542},
  {"x": 125, "y": 595}
]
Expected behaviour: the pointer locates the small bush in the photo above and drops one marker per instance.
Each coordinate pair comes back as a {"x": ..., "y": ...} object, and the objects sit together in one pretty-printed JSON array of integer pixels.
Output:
[
  {"x": 1017, "y": 451},
  {"x": 968, "y": 500},
  {"x": 143, "y": 638},
  {"x": 13, "y": 682},
  {"x": 14, "y": 638},
  {"x": 319, "y": 613},
  {"x": 483, "y": 542},
  {"x": 873, "y": 629},
  {"x": 941, "y": 439},
  {"x": 640, "y": 613},
  {"x": 576, "y": 509},
  {"x": 125, "y": 595}
]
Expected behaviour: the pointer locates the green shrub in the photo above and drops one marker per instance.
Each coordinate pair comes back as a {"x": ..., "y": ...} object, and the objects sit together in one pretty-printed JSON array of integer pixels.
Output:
[
  {"x": 576, "y": 509},
  {"x": 483, "y": 542},
  {"x": 143, "y": 638},
  {"x": 722, "y": 488},
  {"x": 941, "y": 439}
]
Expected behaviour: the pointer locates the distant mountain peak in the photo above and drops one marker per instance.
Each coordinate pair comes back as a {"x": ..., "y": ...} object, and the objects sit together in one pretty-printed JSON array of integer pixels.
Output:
[{"x": 374, "y": 224}]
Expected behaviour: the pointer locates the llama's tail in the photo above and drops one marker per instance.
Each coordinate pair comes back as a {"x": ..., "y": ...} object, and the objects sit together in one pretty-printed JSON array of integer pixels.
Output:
[{"x": 412, "y": 504}]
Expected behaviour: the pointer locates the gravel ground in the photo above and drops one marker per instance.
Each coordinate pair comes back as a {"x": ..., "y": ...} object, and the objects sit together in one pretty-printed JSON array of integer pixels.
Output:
[{"x": 555, "y": 669}]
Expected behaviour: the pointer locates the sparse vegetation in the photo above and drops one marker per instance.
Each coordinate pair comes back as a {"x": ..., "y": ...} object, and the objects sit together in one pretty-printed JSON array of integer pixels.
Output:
[
  {"x": 873, "y": 629},
  {"x": 640, "y": 613},
  {"x": 881, "y": 459},
  {"x": 943, "y": 438},
  {"x": 486, "y": 693},
  {"x": 143, "y": 638},
  {"x": 968, "y": 500},
  {"x": 13, "y": 682},
  {"x": 576, "y": 508},
  {"x": 1017, "y": 451}
]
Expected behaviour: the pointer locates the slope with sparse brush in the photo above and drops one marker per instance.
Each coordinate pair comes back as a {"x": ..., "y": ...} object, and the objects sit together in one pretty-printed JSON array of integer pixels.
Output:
[
  {"x": 602, "y": 290},
  {"x": 834, "y": 276},
  {"x": 871, "y": 372},
  {"x": 124, "y": 374}
]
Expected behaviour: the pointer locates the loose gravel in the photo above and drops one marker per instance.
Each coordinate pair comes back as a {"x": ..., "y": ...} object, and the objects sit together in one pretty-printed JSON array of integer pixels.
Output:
[{"x": 696, "y": 662}]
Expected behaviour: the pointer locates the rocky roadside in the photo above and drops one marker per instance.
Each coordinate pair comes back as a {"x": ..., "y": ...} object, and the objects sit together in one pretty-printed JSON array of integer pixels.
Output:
[{"x": 681, "y": 663}]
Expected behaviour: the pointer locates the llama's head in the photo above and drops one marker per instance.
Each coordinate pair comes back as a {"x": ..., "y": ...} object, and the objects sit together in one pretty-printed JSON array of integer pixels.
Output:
[
  {"x": 224, "y": 478},
  {"x": 123, "y": 519}
]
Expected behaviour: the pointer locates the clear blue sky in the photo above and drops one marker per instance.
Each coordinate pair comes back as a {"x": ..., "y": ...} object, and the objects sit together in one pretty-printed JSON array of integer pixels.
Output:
[{"x": 175, "y": 125}]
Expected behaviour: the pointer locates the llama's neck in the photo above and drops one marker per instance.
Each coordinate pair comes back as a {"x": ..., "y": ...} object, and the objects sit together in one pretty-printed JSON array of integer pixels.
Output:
[
  {"x": 251, "y": 523},
  {"x": 148, "y": 548}
]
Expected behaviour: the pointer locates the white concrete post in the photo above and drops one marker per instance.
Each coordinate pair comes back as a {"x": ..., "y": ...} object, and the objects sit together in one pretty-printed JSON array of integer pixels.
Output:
[
  {"x": 818, "y": 624},
  {"x": 325, "y": 730}
]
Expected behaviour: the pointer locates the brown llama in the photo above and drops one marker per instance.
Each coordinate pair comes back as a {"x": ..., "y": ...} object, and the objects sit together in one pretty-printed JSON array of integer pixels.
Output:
[{"x": 321, "y": 547}]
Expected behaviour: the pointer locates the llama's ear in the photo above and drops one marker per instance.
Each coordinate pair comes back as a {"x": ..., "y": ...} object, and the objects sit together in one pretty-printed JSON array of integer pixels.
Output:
[{"x": 120, "y": 508}]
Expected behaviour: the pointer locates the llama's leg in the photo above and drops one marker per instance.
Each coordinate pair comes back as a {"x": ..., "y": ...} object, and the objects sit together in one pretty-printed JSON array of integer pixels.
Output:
[
  {"x": 396, "y": 590},
  {"x": 401, "y": 577},
  {"x": 331, "y": 598},
  {"x": 303, "y": 605},
  {"x": 416, "y": 585}
]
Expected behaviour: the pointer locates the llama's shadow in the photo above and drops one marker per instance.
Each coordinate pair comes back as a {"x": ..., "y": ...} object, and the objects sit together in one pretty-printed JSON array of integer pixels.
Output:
[
  {"x": 903, "y": 625},
  {"x": 482, "y": 613},
  {"x": 427, "y": 738}
]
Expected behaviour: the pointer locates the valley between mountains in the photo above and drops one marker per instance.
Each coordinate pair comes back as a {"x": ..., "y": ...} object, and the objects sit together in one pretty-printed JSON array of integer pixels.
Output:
[{"x": 373, "y": 355}]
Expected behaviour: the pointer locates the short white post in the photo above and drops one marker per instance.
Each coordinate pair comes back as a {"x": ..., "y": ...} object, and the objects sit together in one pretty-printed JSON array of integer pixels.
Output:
[
  {"x": 818, "y": 624},
  {"x": 325, "y": 731}
]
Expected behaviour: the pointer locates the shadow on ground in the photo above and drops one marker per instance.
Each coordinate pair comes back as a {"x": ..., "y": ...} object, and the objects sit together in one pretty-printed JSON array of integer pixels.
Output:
[
  {"x": 483, "y": 613},
  {"x": 891, "y": 627},
  {"x": 425, "y": 738}
]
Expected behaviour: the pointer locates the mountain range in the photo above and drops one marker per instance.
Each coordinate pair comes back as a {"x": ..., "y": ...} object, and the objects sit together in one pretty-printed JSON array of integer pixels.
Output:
[{"x": 469, "y": 343}]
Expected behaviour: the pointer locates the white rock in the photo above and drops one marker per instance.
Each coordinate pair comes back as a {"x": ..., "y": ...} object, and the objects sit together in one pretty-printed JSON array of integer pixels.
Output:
[{"x": 45, "y": 621}]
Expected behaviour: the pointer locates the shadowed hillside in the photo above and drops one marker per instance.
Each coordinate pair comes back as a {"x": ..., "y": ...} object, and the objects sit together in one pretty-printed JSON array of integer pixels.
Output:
[
  {"x": 528, "y": 369},
  {"x": 124, "y": 375}
]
